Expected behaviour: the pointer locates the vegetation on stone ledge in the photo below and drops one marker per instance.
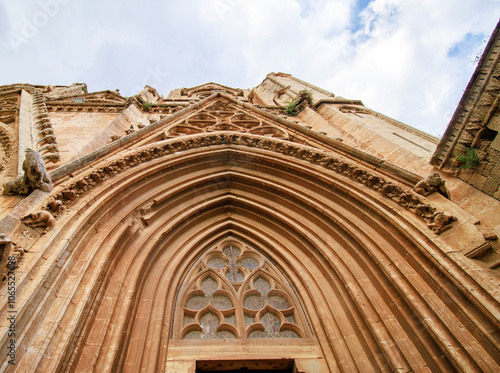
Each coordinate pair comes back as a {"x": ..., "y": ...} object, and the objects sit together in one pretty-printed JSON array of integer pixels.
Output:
[
  {"x": 299, "y": 103},
  {"x": 469, "y": 160},
  {"x": 306, "y": 96},
  {"x": 147, "y": 105},
  {"x": 291, "y": 108}
]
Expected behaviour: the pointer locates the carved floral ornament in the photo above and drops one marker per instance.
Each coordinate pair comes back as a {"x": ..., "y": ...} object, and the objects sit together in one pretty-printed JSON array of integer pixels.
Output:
[
  {"x": 437, "y": 221},
  {"x": 235, "y": 292}
]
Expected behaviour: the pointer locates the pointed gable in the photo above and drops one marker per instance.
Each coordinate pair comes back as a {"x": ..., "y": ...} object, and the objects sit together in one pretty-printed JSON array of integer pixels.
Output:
[{"x": 205, "y": 90}]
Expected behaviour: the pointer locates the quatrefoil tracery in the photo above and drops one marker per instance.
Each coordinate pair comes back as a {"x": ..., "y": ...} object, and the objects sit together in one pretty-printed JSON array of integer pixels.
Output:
[{"x": 236, "y": 295}]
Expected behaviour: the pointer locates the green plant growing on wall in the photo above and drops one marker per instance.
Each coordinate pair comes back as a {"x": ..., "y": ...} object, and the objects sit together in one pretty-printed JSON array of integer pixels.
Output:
[
  {"x": 147, "y": 105},
  {"x": 84, "y": 89},
  {"x": 299, "y": 103},
  {"x": 305, "y": 95},
  {"x": 291, "y": 108},
  {"x": 469, "y": 160}
]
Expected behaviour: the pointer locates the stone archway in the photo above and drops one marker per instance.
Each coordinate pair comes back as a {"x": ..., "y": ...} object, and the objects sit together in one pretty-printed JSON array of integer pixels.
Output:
[{"x": 366, "y": 270}]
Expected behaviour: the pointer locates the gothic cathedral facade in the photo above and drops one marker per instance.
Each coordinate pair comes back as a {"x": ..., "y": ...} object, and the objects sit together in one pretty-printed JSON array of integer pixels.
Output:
[{"x": 278, "y": 229}]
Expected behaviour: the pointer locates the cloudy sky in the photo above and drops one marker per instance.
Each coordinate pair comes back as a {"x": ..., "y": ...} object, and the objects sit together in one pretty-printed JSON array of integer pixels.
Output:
[{"x": 408, "y": 59}]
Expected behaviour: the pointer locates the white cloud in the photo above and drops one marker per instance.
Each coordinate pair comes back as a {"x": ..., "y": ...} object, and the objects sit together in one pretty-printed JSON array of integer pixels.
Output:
[{"x": 408, "y": 59}]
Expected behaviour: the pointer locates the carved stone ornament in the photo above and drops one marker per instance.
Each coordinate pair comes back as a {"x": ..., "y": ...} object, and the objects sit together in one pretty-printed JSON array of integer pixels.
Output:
[
  {"x": 43, "y": 219},
  {"x": 353, "y": 110},
  {"x": 221, "y": 116},
  {"x": 10, "y": 256},
  {"x": 5, "y": 249},
  {"x": 431, "y": 184},
  {"x": 440, "y": 222},
  {"x": 35, "y": 176},
  {"x": 405, "y": 198}
]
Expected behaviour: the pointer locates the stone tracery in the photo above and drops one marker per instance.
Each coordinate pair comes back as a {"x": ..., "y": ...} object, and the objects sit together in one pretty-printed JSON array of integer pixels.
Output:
[
  {"x": 222, "y": 116},
  {"x": 237, "y": 293}
]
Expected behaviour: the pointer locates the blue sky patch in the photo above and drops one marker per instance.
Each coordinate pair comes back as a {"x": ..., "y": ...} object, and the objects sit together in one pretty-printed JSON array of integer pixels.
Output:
[
  {"x": 467, "y": 45},
  {"x": 356, "y": 19}
]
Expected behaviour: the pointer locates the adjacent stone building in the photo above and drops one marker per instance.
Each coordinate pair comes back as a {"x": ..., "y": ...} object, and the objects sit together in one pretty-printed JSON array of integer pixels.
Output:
[
  {"x": 471, "y": 138},
  {"x": 279, "y": 229}
]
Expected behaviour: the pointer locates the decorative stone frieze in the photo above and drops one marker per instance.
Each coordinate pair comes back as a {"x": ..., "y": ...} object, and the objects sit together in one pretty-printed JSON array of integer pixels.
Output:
[
  {"x": 96, "y": 108},
  {"x": 398, "y": 194},
  {"x": 9, "y": 107}
]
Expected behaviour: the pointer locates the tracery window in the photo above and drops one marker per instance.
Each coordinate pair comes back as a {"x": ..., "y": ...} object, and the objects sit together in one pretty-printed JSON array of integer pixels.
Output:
[{"x": 235, "y": 292}]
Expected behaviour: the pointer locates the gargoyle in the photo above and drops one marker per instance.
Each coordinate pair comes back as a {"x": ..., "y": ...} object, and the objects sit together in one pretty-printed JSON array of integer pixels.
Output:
[
  {"x": 431, "y": 184},
  {"x": 35, "y": 176}
]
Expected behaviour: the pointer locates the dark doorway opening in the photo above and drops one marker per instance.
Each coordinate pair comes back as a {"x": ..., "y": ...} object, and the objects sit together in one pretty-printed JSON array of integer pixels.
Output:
[{"x": 245, "y": 366}]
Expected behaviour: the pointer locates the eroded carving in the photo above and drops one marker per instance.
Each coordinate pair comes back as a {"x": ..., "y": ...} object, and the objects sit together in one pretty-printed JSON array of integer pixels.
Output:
[
  {"x": 35, "y": 176},
  {"x": 47, "y": 139},
  {"x": 52, "y": 157},
  {"x": 55, "y": 205},
  {"x": 440, "y": 221},
  {"x": 5, "y": 147},
  {"x": 48, "y": 148},
  {"x": 432, "y": 183},
  {"x": 43, "y": 219},
  {"x": 353, "y": 110}
]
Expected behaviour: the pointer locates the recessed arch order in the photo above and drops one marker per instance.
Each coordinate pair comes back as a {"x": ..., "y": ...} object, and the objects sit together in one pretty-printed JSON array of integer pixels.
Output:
[{"x": 363, "y": 268}]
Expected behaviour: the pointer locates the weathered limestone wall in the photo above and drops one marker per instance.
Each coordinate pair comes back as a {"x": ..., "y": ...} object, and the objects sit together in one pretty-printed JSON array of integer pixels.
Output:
[
  {"x": 475, "y": 125},
  {"x": 117, "y": 127},
  {"x": 75, "y": 130},
  {"x": 76, "y": 89},
  {"x": 375, "y": 136}
]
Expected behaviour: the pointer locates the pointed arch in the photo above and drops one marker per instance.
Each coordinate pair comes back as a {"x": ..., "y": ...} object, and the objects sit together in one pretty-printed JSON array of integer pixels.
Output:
[
  {"x": 379, "y": 293},
  {"x": 240, "y": 285}
]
